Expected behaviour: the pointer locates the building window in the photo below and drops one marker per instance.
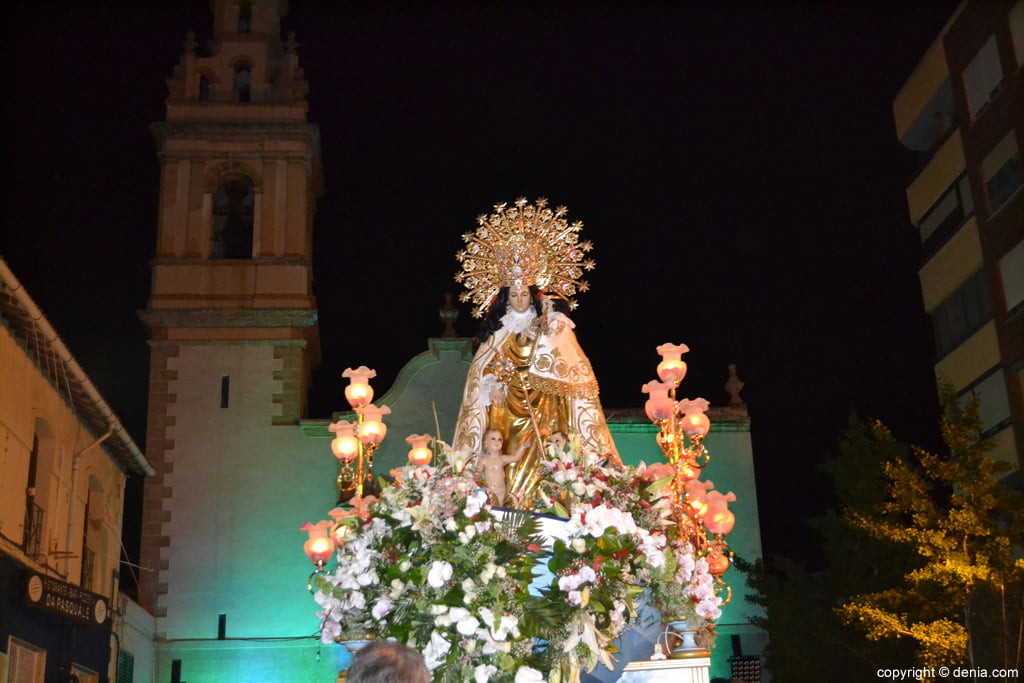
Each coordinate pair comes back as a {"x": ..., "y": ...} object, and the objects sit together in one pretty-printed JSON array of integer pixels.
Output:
[
  {"x": 88, "y": 556},
  {"x": 234, "y": 207},
  {"x": 33, "y": 538},
  {"x": 1002, "y": 171},
  {"x": 243, "y": 83},
  {"x": 83, "y": 675},
  {"x": 38, "y": 493},
  {"x": 1017, "y": 31},
  {"x": 26, "y": 663},
  {"x": 245, "y": 17},
  {"x": 993, "y": 402},
  {"x": 88, "y": 568},
  {"x": 933, "y": 125},
  {"x": 983, "y": 77},
  {"x": 125, "y": 667},
  {"x": 946, "y": 216},
  {"x": 204, "y": 88},
  {"x": 1005, "y": 183},
  {"x": 962, "y": 313},
  {"x": 1011, "y": 270}
]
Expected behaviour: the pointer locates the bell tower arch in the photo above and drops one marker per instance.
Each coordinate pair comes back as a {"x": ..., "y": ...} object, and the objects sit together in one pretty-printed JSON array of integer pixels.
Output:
[{"x": 232, "y": 316}]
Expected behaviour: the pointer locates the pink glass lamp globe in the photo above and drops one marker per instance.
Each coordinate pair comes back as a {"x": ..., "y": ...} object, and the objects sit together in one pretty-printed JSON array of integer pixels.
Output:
[
  {"x": 419, "y": 453},
  {"x": 659, "y": 406},
  {"x": 672, "y": 369},
  {"x": 695, "y": 420},
  {"x": 345, "y": 445},
  {"x": 319, "y": 546},
  {"x": 373, "y": 429},
  {"x": 358, "y": 393}
]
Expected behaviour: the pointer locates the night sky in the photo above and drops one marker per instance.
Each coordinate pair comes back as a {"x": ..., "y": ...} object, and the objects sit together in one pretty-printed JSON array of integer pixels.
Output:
[{"x": 735, "y": 165}]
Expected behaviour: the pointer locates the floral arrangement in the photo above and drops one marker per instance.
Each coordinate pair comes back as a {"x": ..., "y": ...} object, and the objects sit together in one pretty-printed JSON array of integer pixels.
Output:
[
  {"x": 432, "y": 565},
  {"x": 624, "y": 537}
]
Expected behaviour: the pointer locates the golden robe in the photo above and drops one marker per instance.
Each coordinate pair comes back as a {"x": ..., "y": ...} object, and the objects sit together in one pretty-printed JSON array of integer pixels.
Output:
[{"x": 547, "y": 384}]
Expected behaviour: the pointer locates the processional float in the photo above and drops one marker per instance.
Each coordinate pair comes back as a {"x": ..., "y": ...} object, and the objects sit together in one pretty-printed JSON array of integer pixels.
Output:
[{"x": 539, "y": 584}]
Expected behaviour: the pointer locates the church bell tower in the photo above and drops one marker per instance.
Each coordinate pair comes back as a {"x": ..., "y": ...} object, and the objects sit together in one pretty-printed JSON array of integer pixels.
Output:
[{"x": 232, "y": 316}]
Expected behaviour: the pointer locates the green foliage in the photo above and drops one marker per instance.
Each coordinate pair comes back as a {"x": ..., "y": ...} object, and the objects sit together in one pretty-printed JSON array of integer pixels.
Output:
[{"x": 966, "y": 529}]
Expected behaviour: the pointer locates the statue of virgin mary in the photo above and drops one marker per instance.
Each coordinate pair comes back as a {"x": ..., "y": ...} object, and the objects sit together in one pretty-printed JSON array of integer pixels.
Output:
[{"x": 529, "y": 376}]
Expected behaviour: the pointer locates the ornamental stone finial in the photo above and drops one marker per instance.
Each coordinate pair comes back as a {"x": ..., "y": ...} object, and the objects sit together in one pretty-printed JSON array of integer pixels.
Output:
[
  {"x": 291, "y": 45},
  {"x": 733, "y": 386},
  {"x": 448, "y": 315}
]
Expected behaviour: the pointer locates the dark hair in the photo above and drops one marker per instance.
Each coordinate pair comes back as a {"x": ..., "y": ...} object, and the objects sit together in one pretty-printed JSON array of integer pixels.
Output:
[
  {"x": 559, "y": 304},
  {"x": 492, "y": 321},
  {"x": 384, "y": 661}
]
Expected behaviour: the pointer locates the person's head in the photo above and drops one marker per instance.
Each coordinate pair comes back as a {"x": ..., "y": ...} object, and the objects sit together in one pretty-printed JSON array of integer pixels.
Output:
[
  {"x": 502, "y": 304},
  {"x": 554, "y": 303},
  {"x": 493, "y": 441},
  {"x": 519, "y": 298},
  {"x": 557, "y": 439},
  {"x": 388, "y": 662},
  {"x": 516, "y": 298}
]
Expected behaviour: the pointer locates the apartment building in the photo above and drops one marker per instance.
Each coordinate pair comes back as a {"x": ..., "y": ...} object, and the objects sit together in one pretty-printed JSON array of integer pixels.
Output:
[
  {"x": 64, "y": 461},
  {"x": 962, "y": 111}
]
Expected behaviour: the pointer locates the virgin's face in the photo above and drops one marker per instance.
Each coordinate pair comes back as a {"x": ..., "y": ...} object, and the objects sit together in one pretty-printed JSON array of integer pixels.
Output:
[{"x": 519, "y": 298}]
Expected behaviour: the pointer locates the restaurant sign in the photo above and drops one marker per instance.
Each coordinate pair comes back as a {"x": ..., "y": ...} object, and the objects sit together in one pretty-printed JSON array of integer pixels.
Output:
[{"x": 66, "y": 599}]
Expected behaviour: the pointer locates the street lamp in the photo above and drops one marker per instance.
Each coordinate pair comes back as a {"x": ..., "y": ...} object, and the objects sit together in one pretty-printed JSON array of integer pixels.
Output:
[
  {"x": 355, "y": 443},
  {"x": 319, "y": 547},
  {"x": 701, "y": 515}
]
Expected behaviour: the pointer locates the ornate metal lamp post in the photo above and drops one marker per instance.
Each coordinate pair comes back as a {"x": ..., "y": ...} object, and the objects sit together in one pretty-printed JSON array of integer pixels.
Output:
[
  {"x": 355, "y": 443},
  {"x": 702, "y": 516}
]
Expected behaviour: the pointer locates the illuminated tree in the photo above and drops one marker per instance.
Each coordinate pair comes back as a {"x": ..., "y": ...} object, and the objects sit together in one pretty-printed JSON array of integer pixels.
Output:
[{"x": 962, "y": 602}]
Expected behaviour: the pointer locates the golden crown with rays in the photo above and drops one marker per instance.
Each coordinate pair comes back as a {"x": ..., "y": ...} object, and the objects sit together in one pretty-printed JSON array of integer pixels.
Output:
[{"x": 522, "y": 244}]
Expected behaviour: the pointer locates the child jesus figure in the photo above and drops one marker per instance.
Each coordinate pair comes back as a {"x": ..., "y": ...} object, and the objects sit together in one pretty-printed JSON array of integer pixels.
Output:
[{"x": 492, "y": 465}]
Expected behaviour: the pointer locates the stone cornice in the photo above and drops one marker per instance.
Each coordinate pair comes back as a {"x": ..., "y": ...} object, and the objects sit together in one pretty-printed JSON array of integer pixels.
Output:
[
  {"x": 634, "y": 420},
  {"x": 235, "y": 131},
  {"x": 259, "y": 261},
  {"x": 231, "y": 317}
]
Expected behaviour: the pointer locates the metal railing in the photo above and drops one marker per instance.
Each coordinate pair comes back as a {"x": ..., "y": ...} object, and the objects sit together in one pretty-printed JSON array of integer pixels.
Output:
[
  {"x": 32, "y": 541},
  {"x": 88, "y": 568}
]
